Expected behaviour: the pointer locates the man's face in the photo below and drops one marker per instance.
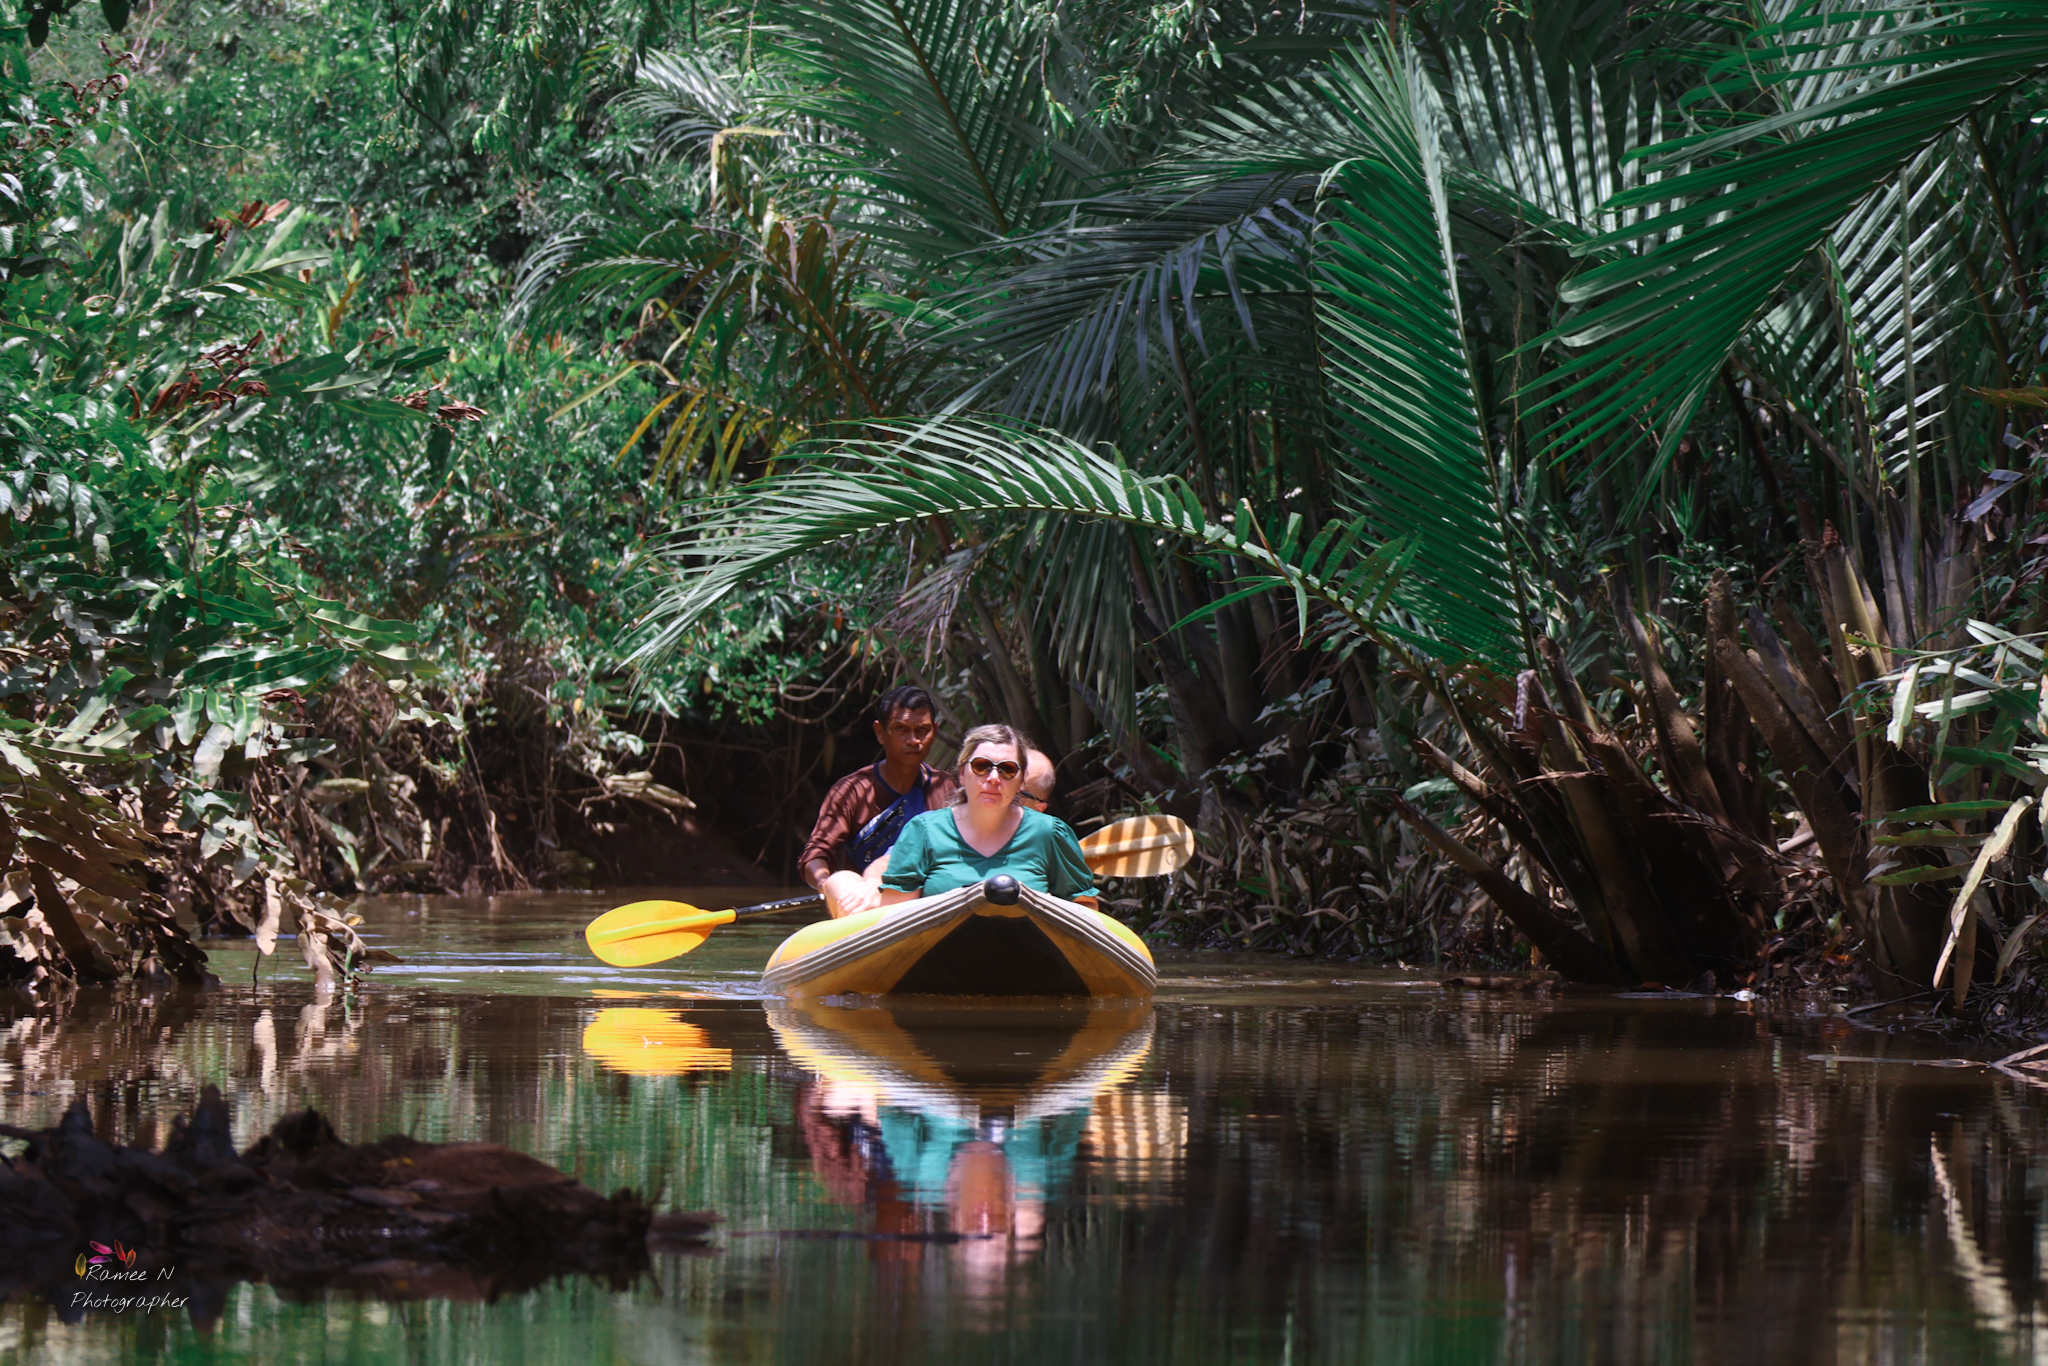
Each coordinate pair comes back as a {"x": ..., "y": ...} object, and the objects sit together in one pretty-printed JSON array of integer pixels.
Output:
[
  {"x": 908, "y": 736},
  {"x": 1038, "y": 780}
]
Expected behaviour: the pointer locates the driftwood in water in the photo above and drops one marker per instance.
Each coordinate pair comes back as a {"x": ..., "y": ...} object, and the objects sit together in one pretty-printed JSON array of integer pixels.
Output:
[{"x": 306, "y": 1212}]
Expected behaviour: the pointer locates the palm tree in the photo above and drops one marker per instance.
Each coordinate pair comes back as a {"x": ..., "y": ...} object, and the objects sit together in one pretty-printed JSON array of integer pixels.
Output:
[{"x": 1378, "y": 351}]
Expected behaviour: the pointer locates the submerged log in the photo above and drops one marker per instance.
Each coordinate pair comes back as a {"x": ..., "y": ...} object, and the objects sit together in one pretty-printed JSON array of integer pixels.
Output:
[{"x": 306, "y": 1212}]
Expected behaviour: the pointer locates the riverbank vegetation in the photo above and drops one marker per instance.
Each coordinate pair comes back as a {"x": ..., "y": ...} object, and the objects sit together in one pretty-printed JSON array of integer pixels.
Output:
[{"x": 1563, "y": 481}]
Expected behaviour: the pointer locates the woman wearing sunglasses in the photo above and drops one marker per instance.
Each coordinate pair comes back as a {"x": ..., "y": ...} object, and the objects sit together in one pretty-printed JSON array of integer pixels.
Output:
[{"x": 987, "y": 832}]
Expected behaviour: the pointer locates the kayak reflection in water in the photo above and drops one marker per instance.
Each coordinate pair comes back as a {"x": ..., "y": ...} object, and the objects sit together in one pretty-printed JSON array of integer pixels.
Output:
[
  {"x": 987, "y": 832},
  {"x": 958, "y": 1126},
  {"x": 991, "y": 1178}
]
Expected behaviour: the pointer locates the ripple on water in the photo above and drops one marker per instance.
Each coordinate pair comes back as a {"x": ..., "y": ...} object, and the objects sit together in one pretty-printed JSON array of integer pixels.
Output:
[{"x": 1272, "y": 1163}]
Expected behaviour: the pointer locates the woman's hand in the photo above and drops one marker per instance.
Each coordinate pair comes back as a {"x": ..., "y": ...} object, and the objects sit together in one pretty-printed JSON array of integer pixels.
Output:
[{"x": 848, "y": 893}]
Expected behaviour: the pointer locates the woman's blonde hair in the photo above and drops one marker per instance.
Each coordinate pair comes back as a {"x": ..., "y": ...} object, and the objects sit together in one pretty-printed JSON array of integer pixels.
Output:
[{"x": 997, "y": 734}]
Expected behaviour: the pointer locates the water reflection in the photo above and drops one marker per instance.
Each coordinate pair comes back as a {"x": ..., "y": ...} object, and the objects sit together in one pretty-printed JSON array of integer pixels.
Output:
[
  {"x": 964, "y": 1121},
  {"x": 643, "y": 1042},
  {"x": 1275, "y": 1162}
]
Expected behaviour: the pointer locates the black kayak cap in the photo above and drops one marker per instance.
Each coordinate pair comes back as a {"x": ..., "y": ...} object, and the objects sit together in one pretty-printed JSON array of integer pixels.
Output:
[{"x": 1002, "y": 889}]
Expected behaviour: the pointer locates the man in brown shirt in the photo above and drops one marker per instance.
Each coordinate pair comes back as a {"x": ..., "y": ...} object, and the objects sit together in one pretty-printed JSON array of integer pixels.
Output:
[{"x": 866, "y": 810}]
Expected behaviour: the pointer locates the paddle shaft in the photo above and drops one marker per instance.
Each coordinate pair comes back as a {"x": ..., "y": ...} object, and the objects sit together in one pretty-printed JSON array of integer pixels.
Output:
[
  {"x": 705, "y": 919},
  {"x": 795, "y": 903},
  {"x": 1105, "y": 856}
]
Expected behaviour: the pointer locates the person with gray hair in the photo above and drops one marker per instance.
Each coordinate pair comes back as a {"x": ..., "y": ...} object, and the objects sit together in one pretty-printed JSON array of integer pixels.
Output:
[
  {"x": 988, "y": 831},
  {"x": 1039, "y": 776}
]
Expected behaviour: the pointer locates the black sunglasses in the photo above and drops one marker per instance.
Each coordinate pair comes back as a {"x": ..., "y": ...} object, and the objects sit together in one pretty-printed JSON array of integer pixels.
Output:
[{"x": 981, "y": 768}]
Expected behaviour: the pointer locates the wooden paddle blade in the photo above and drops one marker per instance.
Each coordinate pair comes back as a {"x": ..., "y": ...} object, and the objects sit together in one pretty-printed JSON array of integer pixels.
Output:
[
  {"x": 1143, "y": 846},
  {"x": 650, "y": 931}
]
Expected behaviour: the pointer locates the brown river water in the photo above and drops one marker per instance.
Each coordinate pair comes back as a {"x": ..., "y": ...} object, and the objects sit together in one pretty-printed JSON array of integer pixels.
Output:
[{"x": 1275, "y": 1162}]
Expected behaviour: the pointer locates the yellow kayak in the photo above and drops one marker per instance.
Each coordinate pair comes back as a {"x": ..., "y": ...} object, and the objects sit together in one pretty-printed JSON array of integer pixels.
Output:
[{"x": 993, "y": 938}]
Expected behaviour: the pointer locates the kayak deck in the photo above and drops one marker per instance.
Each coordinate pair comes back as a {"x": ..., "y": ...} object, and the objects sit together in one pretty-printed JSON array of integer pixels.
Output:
[{"x": 961, "y": 943}]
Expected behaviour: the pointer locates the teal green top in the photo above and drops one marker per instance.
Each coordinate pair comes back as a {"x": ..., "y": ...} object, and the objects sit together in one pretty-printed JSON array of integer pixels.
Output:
[{"x": 930, "y": 857}]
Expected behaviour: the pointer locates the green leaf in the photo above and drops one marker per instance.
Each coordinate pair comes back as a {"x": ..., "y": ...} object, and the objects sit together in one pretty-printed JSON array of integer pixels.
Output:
[
  {"x": 1745, "y": 209},
  {"x": 1967, "y": 757},
  {"x": 944, "y": 106},
  {"x": 1943, "y": 811},
  {"x": 1914, "y": 875},
  {"x": 952, "y": 468},
  {"x": 1921, "y": 839},
  {"x": 1390, "y": 303},
  {"x": 439, "y": 441}
]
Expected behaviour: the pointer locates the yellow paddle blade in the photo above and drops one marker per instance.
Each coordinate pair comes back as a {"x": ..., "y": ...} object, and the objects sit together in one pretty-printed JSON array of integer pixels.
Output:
[
  {"x": 649, "y": 931},
  {"x": 651, "y": 1043},
  {"x": 1143, "y": 846}
]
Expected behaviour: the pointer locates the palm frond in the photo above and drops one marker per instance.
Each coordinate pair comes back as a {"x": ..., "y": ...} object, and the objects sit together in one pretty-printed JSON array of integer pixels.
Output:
[
  {"x": 1744, "y": 209},
  {"x": 2005, "y": 152},
  {"x": 686, "y": 99},
  {"x": 942, "y": 112},
  {"x": 1548, "y": 149},
  {"x": 1838, "y": 340},
  {"x": 1070, "y": 560},
  {"x": 1398, "y": 360},
  {"x": 1131, "y": 283},
  {"x": 956, "y": 468},
  {"x": 626, "y": 265}
]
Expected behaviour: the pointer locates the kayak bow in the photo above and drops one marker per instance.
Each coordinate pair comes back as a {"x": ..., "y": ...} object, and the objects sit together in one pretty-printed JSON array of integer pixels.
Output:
[{"x": 992, "y": 938}]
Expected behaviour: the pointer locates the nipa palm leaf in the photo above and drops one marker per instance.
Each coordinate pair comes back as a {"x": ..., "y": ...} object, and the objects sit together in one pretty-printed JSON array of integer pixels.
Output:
[
  {"x": 958, "y": 467},
  {"x": 1390, "y": 305},
  {"x": 1745, "y": 209}
]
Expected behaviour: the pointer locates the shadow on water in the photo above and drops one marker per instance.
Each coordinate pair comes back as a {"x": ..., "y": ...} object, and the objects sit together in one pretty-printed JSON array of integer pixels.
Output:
[{"x": 1270, "y": 1163}]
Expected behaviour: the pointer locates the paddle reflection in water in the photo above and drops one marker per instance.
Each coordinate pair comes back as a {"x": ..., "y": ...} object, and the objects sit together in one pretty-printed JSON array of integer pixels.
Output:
[
  {"x": 651, "y": 1043},
  {"x": 961, "y": 1123},
  {"x": 1320, "y": 1164}
]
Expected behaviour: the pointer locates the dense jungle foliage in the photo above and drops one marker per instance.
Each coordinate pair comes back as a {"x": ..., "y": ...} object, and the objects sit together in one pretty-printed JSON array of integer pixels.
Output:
[{"x": 1560, "y": 479}]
